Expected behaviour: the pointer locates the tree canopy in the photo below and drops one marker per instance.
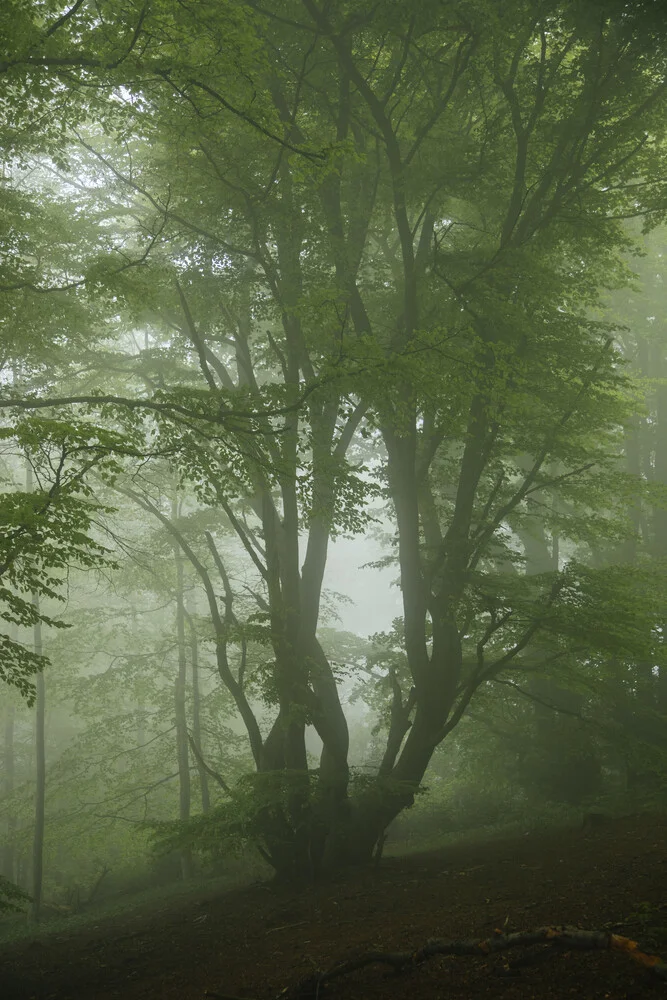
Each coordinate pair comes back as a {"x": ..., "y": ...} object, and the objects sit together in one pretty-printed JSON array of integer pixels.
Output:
[{"x": 271, "y": 273}]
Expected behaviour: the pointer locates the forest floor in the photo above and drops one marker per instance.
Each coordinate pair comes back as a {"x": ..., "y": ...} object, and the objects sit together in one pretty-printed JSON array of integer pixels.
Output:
[{"x": 256, "y": 941}]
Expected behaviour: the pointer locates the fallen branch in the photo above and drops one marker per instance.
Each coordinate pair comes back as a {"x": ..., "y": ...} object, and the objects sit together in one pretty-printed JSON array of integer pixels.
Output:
[
  {"x": 559, "y": 937},
  {"x": 222, "y": 996},
  {"x": 284, "y": 927}
]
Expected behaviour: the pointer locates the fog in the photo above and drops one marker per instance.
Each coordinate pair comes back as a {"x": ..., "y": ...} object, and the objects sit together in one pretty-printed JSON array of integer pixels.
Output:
[
  {"x": 333, "y": 481},
  {"x": 373, "y": 596}
]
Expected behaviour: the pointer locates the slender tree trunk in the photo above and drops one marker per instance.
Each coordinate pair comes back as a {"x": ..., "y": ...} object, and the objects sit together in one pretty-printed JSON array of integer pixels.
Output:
[
  {"x": 196, "y": 719},
  {"x": 660, "y": 467},
  {"x": 140, "y": 714},
  {"x": 8, "y": 789},
  {"x": 659, "y": 473},
  {"x": 180, "y": 706},
  {"x": 40, "y": 779},
  {"x": 40, "y": 756},
  {"x": 141, "y": 722}
]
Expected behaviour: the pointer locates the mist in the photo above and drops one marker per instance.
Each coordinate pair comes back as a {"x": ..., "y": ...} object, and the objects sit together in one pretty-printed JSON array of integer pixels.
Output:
[{"x": 333, "y": 493}]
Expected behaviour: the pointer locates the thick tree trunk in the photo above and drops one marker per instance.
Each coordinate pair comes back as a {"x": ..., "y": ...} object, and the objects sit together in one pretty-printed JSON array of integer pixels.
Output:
[{"x": 353, "y": 839}]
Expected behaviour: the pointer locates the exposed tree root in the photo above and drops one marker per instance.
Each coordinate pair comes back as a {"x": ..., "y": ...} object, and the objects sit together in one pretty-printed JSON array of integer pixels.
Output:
[{"x": 558, "y": 937}]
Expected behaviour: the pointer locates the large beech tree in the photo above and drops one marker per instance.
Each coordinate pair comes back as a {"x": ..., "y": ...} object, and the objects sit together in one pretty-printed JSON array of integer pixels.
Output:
[{"x": 393, "y": 221}]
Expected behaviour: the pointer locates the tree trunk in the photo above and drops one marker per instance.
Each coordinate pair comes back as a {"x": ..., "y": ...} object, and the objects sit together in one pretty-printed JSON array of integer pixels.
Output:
[
  {"x": 182, "y": 749},
  {"x": 196, "y": 719},
  {"x": 660, "y": 467},
  {"x": 40, "y": 756},
  {"x": 40, "y": 779},
  {"x": 8, "y": 789}
]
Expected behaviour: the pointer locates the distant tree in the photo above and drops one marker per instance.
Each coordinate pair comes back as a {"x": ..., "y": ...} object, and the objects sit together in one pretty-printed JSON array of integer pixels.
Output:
[{"x": 46, "y": 531}]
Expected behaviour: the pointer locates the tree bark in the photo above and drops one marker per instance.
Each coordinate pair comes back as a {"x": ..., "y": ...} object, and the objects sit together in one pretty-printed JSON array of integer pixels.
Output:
[
  {"x": 8, "y": 850},
  {"x": 196, "y": 719},
  {"x": 40, "y": 757},
  {"x": 182, "y": 748},
  {"x": 40, "y": 778}
]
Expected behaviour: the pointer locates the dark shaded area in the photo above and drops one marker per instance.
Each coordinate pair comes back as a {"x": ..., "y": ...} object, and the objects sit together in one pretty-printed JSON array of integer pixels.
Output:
[{"x": 256, "y": 941}]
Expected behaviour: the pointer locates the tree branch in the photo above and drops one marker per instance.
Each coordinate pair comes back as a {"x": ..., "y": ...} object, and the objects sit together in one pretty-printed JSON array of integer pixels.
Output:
[
  {"x": 206, "y": 767},
  {"x": 563, "y": 937}
]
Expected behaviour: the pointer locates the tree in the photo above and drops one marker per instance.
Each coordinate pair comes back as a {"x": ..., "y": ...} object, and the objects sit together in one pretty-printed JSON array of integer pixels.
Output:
[{"x": 322, "y": 269}]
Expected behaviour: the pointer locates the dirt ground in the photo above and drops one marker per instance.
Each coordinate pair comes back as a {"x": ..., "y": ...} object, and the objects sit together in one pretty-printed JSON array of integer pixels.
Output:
[{"x": 258, "y": 941}]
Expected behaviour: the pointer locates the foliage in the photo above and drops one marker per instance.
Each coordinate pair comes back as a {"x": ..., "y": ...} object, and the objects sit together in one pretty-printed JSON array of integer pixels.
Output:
[
  {"x": 47, "y": 530},
  {"x": 290, "y": 306},
  {"x": 12, "y": 898}
]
